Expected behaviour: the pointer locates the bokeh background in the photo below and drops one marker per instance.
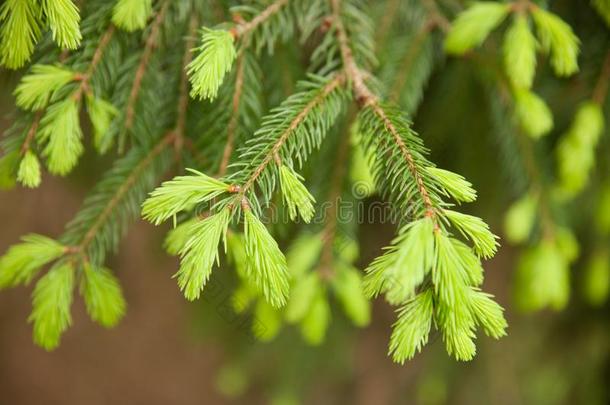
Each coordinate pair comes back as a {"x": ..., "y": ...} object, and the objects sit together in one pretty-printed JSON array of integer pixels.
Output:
[{"x": 168, "y": 351}]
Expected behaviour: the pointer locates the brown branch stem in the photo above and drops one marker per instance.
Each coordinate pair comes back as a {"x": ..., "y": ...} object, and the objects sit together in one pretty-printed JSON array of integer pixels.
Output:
[
  {"x": 149, "y": 47},
  {"x": 232, "y": 127},
  {"x": 124, "y": 189},
  {"x": 522, "y": 6},
  {"x": 244, "y": 28},
  {"x": 183, "y": 98},
  {"x": 435, "y": 17},
  {"x": 31, "y": 132},
  {"x": 97, "y": 57}
]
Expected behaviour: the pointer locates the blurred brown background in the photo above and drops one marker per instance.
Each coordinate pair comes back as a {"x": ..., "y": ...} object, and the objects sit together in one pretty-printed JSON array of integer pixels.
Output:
[{"x": 149, "y": 358}]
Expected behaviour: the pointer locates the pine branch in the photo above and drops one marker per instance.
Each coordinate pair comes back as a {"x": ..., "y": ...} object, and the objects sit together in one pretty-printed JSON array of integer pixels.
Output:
[
  {"x": 432, "y": 270},
  {"x": 366, "y": 98},
  {"x": 329, "y": 233},
  {"x": 183, "y": 98},
  {"x": 233, "y": 121},
  {"x": 97, "y": 58},
  {"x": 244, "y": 28},
  {"x": 149, "y": 47},
  {"x": 294, "y": 128},
  {"x": 143, "y": 74},
  {"x": 433, "y": 20},
  {"x": 60, "y": 129},
  {"x": 235, "y": 114},
  {"x": 146, "y": 172},
  {"x": 408, "y": 61},
  {"x": 119, "y": 196},
  {"x": 32, "y": 132},
  {"x": 436, "y": 260},
  {"x": 289, "y": 122}
]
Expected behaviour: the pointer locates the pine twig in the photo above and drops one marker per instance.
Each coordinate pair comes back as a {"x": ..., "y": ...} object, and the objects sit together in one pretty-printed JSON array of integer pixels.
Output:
[
  {"x": 232, "y": 127},
  {"x": 331, "y": 214},
  {"x": 366, "y": 98},
  {"x": 31, "y": 132},
  {"x": 151, "y": 44},
  {"x": 173, "y": 137},
  {"x": 97, "y": 57},
  {"x": 39, "y": 114},
  {"x": 328, "y": 88},
  {"x": 123, "y": 190},
  {"x": 184, "y": 93},
  {"x": 244, "y": 28}
]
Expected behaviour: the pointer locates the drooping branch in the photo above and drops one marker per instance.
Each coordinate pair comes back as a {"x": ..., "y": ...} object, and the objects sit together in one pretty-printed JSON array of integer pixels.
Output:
[{"x": 366, "y": 98}]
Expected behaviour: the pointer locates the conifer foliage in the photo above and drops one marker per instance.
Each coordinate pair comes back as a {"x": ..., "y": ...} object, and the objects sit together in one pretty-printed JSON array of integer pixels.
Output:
[{"x": 176, "y": 87}]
